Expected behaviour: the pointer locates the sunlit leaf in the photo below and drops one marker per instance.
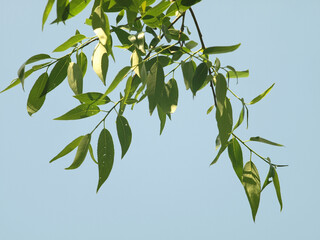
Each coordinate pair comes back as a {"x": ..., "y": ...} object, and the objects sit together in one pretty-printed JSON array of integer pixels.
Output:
[
  {"x": 119, "y": 77},
  {"x": 81, "y": 152},
  {"x": 105, "y": 156},
  {"x": 69, "y": 148},
  {"x": 158, "y": 9},
  {"x": 57, "y": 74},
  {"x": 47, "y": 11},
  {"x": 220, "y": 49},
  {"x": 235, "y": 155},
  {"x": 35, "y": 100},
  {"x": 82, "y": 62},
  {"x": 100, "y": 62},
  {"x": 79, "y": 112},
  {"x": 240, "y": 119},
  {"x": 92, "y": 154},
  {"x": 135, "y": 61},
  {"x": 276, "y": 184},
  {"x": 100, "y": 25},
  {"x": 124, "y": 134},
  {"x": 70, "y": 42},
  {"x": 262, "y": 95},
  {"x": 75, "y": 78},
  {"x": 252, "y": 186},
  {"x": 210, "y": 109},
  {"x": 221, "y": 150},
  {"x": 238, "y": 74},
  {"x": 93, "y": 98},
  {"x": 263, "y": 140},
  {"x": 169, "y": 97}
]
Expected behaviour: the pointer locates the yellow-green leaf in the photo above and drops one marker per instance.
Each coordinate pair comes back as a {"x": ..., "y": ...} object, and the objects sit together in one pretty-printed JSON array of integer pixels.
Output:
[
  {"x": 69, "y": 148},
  {"x": 81, "y": 152},
  {"x": 79, "y": 112},
  {"x": 70, "y": 42},
  {"x": 100, "y": 62},
  {"x": 75, "y": 78},
  {"x": 220, "y": 49},
  {"x": 262, "y": 95}
]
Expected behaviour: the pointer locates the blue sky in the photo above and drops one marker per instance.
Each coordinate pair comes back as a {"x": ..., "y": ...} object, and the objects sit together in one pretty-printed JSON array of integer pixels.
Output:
[{"x": 164, "y": 187}]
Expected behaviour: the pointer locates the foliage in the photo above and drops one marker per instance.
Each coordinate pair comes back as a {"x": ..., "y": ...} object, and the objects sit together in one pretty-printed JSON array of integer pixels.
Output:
[{"x": 152, "y": 62}]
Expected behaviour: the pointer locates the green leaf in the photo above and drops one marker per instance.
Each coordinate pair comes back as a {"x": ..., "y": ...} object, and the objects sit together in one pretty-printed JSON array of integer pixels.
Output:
[
  {"x": 76, "y": 6},
  {"x": 93, "y": 98},
  {"x": 92, "y": 155},
  {"x": 79, "y": 112},
  {"x": 240, "y": 119},
  {"x": 224, "y": 122},
  {"x": 119, "y": 77},
  {"x": 105, "y": 156},
  {"x": 100, "y": 25},
  {"x": 158, "y": 9},
  {"x": 82, "y": 62},
  {"x": 68, "y": 148},
  {"x": 188, "y": 69},
  {"x": 37, "y": 58},
  {"x": 124, "y": 134},
  {"x": 169, "y": 98},
  {"x": 75, "y": 78},
  {"x": 70, "y": 42},
  {"x": 252, "y": 186},
  {"x": 238, "y": 74},
  {"x": 235, "y": 155},
  {"x": 162, "y": 117},
  {"x": 61, "y": 13},
  {"x": 276, "y": 184},
  {"x": 221, "y": 150},
  {"x": 47, "y": 11},
  {"x": 191, "y": 44},
  {"x": 155, "y": 85},
  {"x": 199, "y": 77},
  {"x": 263, "y": 140},
  {"x": 35, "y": 100},
  {"x": 210, "y": 109},
  {"x": 135, "y": 61},
  {"x": 189, "y": 3},
  {"x": 17, "y": 81},
  {"x": 221, "y": 92},
  {"x": 262, "y": 95},
  {"x": 57, "y": 74},
  {"x": 120, "y": 16},
  {"x": 220, "y": 49},
  {"x": 100, "y": 62},
  {"x": 81, "y": 152}
]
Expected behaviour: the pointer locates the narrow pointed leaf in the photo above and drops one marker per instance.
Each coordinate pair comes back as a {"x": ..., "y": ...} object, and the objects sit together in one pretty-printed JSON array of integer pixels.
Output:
[
  {"x": 252, "y": 186},
  {"x": 235, "y": 155},
  {"x": 162, "y": 117},
  {"x": 225, "y": 122},
  {"x": 276, "y": 184},
  {"x": 221, "y": 92},
  {"x": 69, "y": 148},
  {"x": 82, "y": 62},
  {"x": 57, "y": 74},
  {"x": 92, "y": 154},
  {"x": 47, "y": 11},
  {"x": 70, "y": 42},
  {"x": 263, "y": 140},
  {"x": 238, "y": 74},
  {"x": 105, "y": 156},
  {"x": 82, "y": 111},
  {"x": 155, "y": 85},
  {"x": 188, "y": 70},
  {"x": 240, "y": 119},
  {"x": 81, "y": 152},
  {"x": 35, "y": 100},
  {"x": 221, "y": 49},
  {"x": 100, "y": 62},
  {"x": 124, "y": 134},
  {"x": 262, "y": 95},
  {"x": 210, "y": 109},
  {"x": 93, "y": 98},
  {"x": 221, "y": 150},
  {"x": 17, "y": 81},
  {"x": 75, "y": 78},
  {"x": 119, "y": 77},
  {"x": 100, "y": 25},
  {"x": 199, "y": 77}
]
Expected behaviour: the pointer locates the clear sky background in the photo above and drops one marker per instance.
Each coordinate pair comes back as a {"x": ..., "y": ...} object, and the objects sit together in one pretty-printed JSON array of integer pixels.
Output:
[{"x": 164, "y": 187}]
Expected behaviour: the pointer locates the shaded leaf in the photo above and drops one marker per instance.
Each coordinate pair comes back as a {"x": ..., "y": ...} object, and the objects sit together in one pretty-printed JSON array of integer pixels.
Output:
[
  {"x": 124, "y": 134},
  {"x": 220, "y": 49},
  {"x": 240, "y": 119},
  {"x": 252, "y": 186},
  {"x": 57, "y": 74},
  {"x": 81, "y": 152},
  {"x": 189, "y": 3},
  {"x": 79, "y": 112},
  {"x": 276, "y": 184},
  {"x": 75, "y": 78},
  {"x": 105, "y": 156},
  {"x": 155, "y": 85},
  {"x": 188, "y": 69},
  {"x": 263, "y": 140},
  {"x": 235, "y": 155},
  {"x": 221, "y": 92},
  {"x": 82, "y": 62},
  {"x": 68, "y": 148},
  {"x": 199, "y": 77},
  {"x": 70, "y": 42},
  {"x": 224, "y": 122},
  {"x": 93, "y": 98},
  {"x": 162, "y": 117},
  {"x": 221, "y": 150},
  {"x": 91, "y": 154},
  {"x": 262, "y": 95},
  {"x": 35, "y": 100}
]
